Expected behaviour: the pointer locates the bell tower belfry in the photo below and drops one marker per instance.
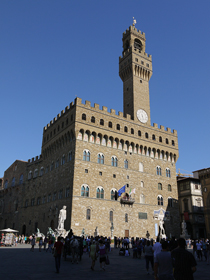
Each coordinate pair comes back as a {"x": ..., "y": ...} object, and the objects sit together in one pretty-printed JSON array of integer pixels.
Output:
[{"x": 135, "y": 70}]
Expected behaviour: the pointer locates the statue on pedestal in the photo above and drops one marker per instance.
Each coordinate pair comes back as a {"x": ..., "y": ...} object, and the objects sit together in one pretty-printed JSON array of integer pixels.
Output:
[{"x": 62, "y": 218}]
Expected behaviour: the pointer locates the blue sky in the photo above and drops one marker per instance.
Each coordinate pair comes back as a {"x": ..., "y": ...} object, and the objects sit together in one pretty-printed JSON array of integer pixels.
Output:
[{"x": 52, "y": 51}]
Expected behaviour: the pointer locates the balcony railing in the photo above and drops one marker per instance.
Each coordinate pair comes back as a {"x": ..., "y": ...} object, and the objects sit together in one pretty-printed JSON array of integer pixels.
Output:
[{"x": 129, "y": 201}]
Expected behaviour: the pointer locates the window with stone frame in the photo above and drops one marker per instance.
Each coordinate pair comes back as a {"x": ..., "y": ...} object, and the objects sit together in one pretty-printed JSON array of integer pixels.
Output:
[
  {"x": 100, "y": 158},
  {"x": 125, "y": 129},
  {"x": 88, "y": 214},
  {"x": 158, "y": 170},
  {"x": 111, "y": 216},
  {"x": 160, "y": 186},
  {"x": 110, "y": 124},
  {"x": 100, "y": 193},
  {"x": 126, "y": 164},
  {"x": 93, "y": 120},
  {"x": 168, "y": 173},
  {"x": 44, "y": 200},
  {"x": 57, "y": 163},
  {"x": 160, "y": 200},
  {"x": 13, "y": 182},
  {"x": 86, "y": 155},
  {"x": 49, "y": 197},
  {"x": 84, "y": 117},
  {"x": 101, "y": 122},
  {"x": 32, "y": 201},
  {"x": 41, "y": 171},
  {"x": 114, "y": 161},
  {"x": 118, "y": 127},
  {"x": 63, "y": 160},
  {"x": 126, "y": 218},
  {"x": 132, "y": 131},
  {"x": 70, "y": 156}
]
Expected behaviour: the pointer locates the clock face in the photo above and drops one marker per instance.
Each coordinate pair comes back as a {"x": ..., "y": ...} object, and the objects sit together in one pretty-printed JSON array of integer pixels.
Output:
[{"x": 142, "y": 116}]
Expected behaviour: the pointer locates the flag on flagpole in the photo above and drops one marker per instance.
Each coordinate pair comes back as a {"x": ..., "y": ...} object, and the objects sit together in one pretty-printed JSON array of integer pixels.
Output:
[
  {"x": 133, "y": 191},
  {"x": 122, "y": 190}
]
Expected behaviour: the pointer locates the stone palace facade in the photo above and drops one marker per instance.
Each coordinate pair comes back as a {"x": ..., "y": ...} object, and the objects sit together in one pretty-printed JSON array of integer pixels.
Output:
[{"x": 88, "y": 154}]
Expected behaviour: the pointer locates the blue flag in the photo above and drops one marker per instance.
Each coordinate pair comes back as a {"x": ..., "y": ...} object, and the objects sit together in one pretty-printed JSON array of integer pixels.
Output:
[{"x": 122, "y": 190}]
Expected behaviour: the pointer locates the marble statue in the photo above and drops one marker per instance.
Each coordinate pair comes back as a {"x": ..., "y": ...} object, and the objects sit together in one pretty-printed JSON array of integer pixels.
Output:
[{"x": 62, "y": 218}]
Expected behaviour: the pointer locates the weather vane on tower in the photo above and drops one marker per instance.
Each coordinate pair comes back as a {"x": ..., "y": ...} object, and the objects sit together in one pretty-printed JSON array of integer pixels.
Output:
[{"x": 134, "y": 22}]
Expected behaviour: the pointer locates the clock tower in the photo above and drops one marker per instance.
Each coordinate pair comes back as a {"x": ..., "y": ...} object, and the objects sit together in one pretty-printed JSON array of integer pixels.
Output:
[{"x": 135, "y": 70}]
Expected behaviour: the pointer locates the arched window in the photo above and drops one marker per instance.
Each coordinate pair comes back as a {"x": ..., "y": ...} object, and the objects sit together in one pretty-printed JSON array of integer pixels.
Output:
[
  {"x": 132, "y": 131},
  {"x": 114, "y": 161},
  {"x": 87, "y": 191},
  {"x": 29, "y": 175},
  {"x": 88, "y": 214},
  {"x": 13, "y": 181},
  {"x": 142, "y": 184},
  {"x": 160, "y": 139},
  {"x": 93, "y": 119},
  {"x": 63, "y": 160},
  {"x": 83, "y": 191},
  {"x": 168, "y": 172},
  {"x": 70, "y": 156},
  {"x": 112, "y": 195},
  {"x": 169, "y": 188},
  {"x": 57, "y": 163},
  {"x": 126, "y": 218},
  {"x": 41, "y": 171},
  {"x": 100, "y": 192},
  {"x": 21, "y": 179},
  {"x": 86, "y": 155},
  {"x": 138, "y": 44},
  {"x": 153, "y": 136},
  {"x": 166, "y": 140},
  {"x": 111, "y": 216},
  {"x": 126, "y": 164},
  {"x": 170, "y": 202},
  {"x": 118, "y": 127},
  {"x": 173, "y": 143},
  {"x": 101, "y": 122},
  {"x": 139, "y": 133},
  {"x": 146, "y": 135},
  {"x": 110, "y": 124},
  {"x": 6, "y": 184},
  {"x": 158, "y": 170},
  {"x": 35, "y": 173},
  {"x": 160, "y": 200},
  {"x": 160, "y": 186},
  {"x": 101, "y": 158},
  {"x": 83, "y": 117},
  {"x": 125, "y": 129}
]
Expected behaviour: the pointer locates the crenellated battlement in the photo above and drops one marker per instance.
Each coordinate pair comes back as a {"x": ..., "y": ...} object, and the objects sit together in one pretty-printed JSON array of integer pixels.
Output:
[
  {"x": 78, "y": 101},
  {"x": 35, "y": 160},
  {"x": 61, "y": 114},
  {"x": 134, "y": 30},
  {"x": 120, "y": 115}
]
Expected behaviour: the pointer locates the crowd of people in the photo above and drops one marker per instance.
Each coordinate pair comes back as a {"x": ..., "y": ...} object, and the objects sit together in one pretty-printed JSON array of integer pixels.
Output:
[{"x": 168, "y": 259}]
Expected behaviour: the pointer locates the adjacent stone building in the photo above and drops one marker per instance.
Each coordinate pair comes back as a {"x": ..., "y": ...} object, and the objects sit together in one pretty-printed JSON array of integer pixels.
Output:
[
  {"x": 191, "y": 206},
  {"x": 88, "y": 154},
  {"x": 204, "y": 177}
]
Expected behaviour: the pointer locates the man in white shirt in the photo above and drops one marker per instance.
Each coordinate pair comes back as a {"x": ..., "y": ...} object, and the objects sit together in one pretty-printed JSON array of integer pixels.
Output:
[{"x": 157, "y": 247}]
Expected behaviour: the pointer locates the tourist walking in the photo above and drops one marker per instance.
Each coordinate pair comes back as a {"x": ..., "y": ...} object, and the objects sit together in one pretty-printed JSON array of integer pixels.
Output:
[
  {"x": 33, "y": 242},
  {"x": 183, "y": 261},
  {"x": 157, "y": 247},
  {"x": 93, "y": 254},
  {"x": 163, "y": 268},
  {"x": 58, "y": 246},
  {"x": 40, "y": 244},
  {"x": 102, "y": 254},
  {"x": 149, "y": 256}
]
